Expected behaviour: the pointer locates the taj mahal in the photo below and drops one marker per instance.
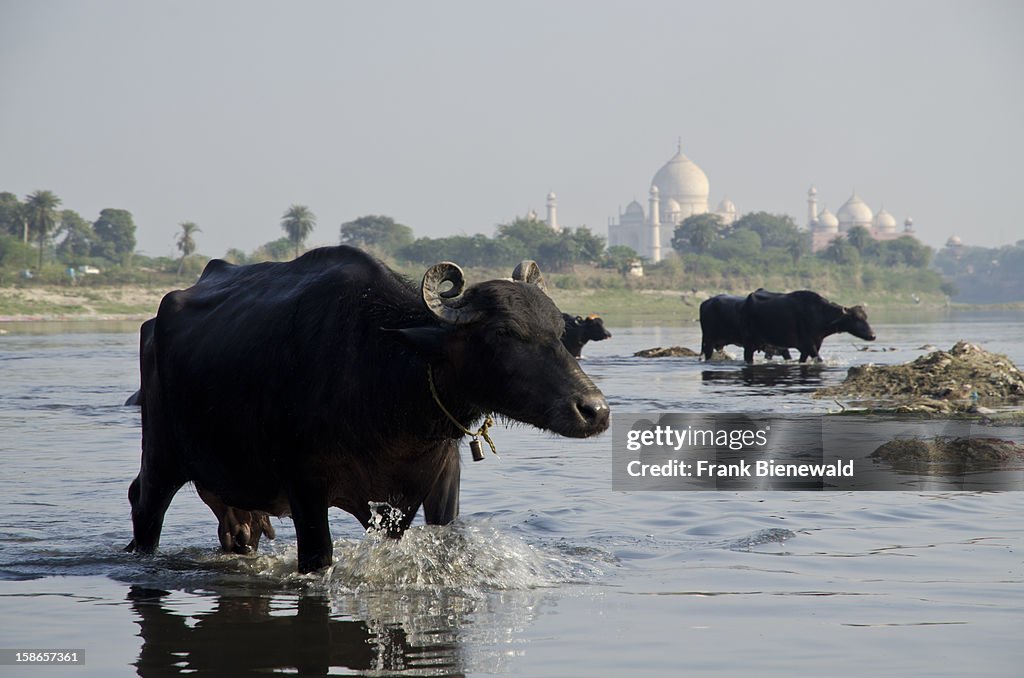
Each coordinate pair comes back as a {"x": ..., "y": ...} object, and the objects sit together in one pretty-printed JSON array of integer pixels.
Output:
[{"x": 680, "y": 189}]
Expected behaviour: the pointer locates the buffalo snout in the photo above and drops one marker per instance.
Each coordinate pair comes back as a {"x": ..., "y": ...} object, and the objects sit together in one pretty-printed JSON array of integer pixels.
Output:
[{"x": 592, "y": 411}]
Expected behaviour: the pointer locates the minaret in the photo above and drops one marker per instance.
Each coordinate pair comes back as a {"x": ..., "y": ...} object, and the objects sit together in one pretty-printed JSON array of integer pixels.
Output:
[
  {"x": 812, "y": 207},
  {"x": 552, "y": 211},
  {"x": 655, "y": 225}
]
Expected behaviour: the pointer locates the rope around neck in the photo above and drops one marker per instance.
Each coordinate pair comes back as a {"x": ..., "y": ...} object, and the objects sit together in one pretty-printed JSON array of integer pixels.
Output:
[{"x": 480, "y": 433}]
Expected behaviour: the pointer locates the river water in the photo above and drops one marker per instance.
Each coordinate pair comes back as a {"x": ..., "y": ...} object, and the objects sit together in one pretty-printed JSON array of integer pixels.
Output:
[{"x": 548, "y": 572}]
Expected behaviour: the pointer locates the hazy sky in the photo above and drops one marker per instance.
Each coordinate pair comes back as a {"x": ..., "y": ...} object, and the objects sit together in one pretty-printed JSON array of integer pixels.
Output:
[{"x": 453, "y": 117}]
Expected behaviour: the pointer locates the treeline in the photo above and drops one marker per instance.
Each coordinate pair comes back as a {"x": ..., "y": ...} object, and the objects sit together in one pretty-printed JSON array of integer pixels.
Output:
[
  {"x": 759, "y": 249},
  {"x": 984, "y": 275},
  {"x": 524, "y": 238},
  {"x": 760, "y": 238},
  {"x": 36, "y": 230}
]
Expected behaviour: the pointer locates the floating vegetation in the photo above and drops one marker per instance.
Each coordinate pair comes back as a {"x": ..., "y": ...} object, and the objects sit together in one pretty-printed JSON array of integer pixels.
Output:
[
  {"x": 670, "y": 352},
  {"x": 965, "y": 450},
  {"x": 964, "y": 379}
]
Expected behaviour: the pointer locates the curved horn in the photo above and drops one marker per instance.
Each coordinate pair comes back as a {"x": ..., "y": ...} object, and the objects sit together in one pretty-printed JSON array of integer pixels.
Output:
[
  {"x": 447, "y": 305},
  {"x": 528, "y": 271}
]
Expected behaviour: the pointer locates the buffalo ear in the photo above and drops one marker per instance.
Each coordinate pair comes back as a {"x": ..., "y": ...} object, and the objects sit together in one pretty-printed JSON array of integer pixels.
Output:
[{"x": 427, "y": 341}]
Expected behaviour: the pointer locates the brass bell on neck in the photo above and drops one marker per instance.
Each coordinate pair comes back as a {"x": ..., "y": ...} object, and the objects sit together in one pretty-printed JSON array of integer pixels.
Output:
[{"x": 477, "y": 449}]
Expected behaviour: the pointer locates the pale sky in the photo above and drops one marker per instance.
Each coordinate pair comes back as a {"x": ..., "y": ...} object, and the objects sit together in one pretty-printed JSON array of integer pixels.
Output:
[{"x": 453, "y": 117}]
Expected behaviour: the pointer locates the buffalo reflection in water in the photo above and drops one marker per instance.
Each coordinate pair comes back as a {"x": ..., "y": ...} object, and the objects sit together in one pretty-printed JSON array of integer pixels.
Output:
[
  {"x": 265, "y": 633},
  {"x": 769, "y": 374}
]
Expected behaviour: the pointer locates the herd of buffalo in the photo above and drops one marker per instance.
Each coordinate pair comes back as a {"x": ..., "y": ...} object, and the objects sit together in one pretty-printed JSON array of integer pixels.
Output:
[{"x": 285, "y": 388}]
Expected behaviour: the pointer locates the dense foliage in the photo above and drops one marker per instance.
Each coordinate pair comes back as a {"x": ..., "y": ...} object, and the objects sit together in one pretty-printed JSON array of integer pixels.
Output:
[
  {"x": 38, "y": 239},
  {"x": 984, "y": 275}
]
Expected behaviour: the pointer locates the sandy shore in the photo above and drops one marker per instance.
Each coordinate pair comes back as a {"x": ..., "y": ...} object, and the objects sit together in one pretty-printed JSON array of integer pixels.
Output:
[{"x": 68, "y": 303}]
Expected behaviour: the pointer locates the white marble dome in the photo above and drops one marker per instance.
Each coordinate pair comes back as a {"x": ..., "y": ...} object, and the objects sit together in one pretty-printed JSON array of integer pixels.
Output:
[
  {"x": 827, "y": 221},
  {"x": 884, "y": 221},
  {"x": 854, "y": 212},
  {"x": 634, "y": 208},
  {"x": 681, "y": 180}
]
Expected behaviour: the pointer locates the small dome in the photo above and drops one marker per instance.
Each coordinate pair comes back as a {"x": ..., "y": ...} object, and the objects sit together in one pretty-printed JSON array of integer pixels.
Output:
[
  {"x": 827, "y": 221},
  {"x": 551, "y": 195},
  {"x": 854, "y": 212},
  {"x": 726, "y": 207},
  {"x": 954, "y": 241},
  {"x": 884, "y": 221},
  {"x": 671, "y": 206},
  {"x": 634, "y": 208},
  {"x": 813, "y": 191}
]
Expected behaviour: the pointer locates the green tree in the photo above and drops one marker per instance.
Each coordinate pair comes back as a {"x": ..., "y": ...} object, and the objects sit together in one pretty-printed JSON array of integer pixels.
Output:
[
  {"x": 620, "y": 258},
  {"x": 696, "y": 233},
  {"x": 799, "y": 246},
  {"x": 79, "y": 238},
  {"x": 526, "y": 236},
  {"x": 776, "y": 230},
  {"x": 860, "y": 238},
  {"x": 558, "y": 254},
  {"x": 12, "y": 221},
  {"x": 743, "y": 244},
  {"x": 236, "y": 256},
  {"x": 904, "y": 251},
  {"x": 116, "y": 232},
  {"x": 377, "y": 232},
  {"x": 298, "y": 222},
  {"x": 41, "y": 214},
  {"x": 841, "y": 251},
  {"x": 14, "y": 253},
  {"x": 186, "y": 241},
  {"x": 275, "y": 250},
  {"x": 590, "y": 246}
]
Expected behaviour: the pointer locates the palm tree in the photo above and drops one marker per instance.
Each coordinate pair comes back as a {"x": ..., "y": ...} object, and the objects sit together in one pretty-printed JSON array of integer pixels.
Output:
[
  {"x": 41, "y": 215},
  {"x": 298, "y": 223},
  {"x": 186, "y": 243}
]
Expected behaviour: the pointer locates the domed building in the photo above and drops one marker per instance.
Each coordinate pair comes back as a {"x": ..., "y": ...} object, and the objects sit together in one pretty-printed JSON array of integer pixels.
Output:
[
  {"x": 679, "y": 189},
  {"x": 825, "y": 227},
  {"x": 727, "y": 212},
  {"x": 854, "y": 212},
  {"x": 884, "y": 222}
]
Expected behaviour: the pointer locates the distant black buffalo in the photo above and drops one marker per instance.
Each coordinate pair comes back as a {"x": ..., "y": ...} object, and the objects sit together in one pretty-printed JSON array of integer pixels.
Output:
[
  {"x": 799, "y": 319},
  {"x": 580, "y": 330},
  {"x": 330, "y": 380},
  {"x": 722, "y": 322}
]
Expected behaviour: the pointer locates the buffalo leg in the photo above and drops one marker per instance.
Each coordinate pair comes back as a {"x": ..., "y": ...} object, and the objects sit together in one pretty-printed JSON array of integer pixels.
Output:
[
  {"x": 149, "y": 500},
  {"x": 441, "y": 505},
  {"x": 748, "y": 354},
  {"x": 309, "y": 513}
]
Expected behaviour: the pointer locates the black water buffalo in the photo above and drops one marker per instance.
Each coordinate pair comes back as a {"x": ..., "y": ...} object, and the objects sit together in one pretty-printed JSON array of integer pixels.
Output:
[
  {"x": 238, "y": 530},
  {"x": 722, "y": 322},
  {"x": 330, "y": 380},
  {"x": 800, "y": 319},
  {"x": 580, "y": 330}
]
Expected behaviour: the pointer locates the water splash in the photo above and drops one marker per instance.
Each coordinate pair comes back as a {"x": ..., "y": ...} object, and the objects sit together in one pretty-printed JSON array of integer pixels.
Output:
[{"x": 471, "y": 558}]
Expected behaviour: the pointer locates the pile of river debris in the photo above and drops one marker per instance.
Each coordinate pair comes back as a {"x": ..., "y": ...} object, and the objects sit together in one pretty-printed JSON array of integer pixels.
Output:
[
  {"x": 964, "y": 379},
  {"x": 670, "y": 352},
  {"x": 965, "y": 450}
]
